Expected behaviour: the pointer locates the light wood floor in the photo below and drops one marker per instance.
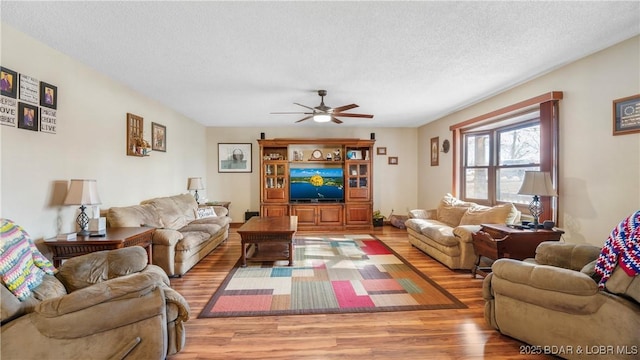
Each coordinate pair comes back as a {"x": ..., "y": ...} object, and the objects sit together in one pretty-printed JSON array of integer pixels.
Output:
[{"x": 441, "y": 334}]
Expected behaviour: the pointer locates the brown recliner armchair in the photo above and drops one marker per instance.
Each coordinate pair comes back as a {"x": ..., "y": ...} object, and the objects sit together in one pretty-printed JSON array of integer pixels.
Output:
[
  {"x": 554, "y": 304},
  {"x": 104, "y": 305}
]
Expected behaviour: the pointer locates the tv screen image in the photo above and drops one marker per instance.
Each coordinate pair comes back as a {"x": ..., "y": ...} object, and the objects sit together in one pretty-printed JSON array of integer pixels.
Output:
[{"x": 316, "y": 184}]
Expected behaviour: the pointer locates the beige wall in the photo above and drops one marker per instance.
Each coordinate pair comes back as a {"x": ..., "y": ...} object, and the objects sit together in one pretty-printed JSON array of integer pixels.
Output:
[
  {"x": 599, "y": 176},
  {"x": 90, "y": 143},
  {"x": 394, "y": 186}
]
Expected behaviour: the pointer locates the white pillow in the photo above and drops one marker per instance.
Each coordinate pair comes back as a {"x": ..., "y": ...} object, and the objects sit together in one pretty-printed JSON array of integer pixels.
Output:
[{"x": 204, "y": 212}]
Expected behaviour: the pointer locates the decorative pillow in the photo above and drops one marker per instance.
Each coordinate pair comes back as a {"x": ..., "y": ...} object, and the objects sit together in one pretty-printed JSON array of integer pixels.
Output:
[
  {"x": 499, "y": 214},
  {"x": 451, "y": 210},
  {"x": 22, "y": 266},
  {"x": 204, "y": 212}
]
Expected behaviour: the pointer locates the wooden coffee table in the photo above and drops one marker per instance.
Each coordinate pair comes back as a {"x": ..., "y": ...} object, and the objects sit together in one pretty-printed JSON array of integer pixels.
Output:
[
  {"x": 268, "y": 230},
  {"x": 115, "y": 238}
]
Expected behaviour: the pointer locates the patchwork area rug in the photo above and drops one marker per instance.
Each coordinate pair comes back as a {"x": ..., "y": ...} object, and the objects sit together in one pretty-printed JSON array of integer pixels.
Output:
[{"x": 331, "y": 274}]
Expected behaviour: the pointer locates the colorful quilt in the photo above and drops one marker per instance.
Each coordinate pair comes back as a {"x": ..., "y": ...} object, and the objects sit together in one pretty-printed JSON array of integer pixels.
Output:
[{"x": 622, "y": 248}]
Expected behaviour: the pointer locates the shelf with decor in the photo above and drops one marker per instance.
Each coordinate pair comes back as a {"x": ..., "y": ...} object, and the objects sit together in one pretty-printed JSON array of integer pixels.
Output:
[
  {"x": 316, "y": 180},
  {"x": 136, "y": 144}
]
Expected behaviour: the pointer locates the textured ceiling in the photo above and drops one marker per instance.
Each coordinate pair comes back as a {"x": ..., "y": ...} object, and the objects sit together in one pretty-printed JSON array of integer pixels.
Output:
[{"x": 408, "y": 63}]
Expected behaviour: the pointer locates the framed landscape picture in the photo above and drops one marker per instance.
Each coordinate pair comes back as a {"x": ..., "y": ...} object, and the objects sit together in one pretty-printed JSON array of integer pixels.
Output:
[{"x": 234, "y": 158}]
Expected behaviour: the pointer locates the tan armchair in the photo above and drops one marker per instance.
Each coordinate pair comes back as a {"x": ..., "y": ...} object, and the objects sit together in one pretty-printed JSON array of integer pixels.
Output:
[
  {"x": 104, "y": 305},
  {"x": 554, "y": 304}
]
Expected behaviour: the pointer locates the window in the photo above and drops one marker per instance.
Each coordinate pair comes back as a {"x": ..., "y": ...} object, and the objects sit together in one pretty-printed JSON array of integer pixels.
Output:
[
  {"x": 495, "y": 149},
  {"x": 495, "y": 160}
]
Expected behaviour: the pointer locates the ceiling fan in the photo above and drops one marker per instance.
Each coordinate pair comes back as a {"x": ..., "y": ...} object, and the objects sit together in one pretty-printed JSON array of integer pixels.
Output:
[{"x": 323, "y": 113}]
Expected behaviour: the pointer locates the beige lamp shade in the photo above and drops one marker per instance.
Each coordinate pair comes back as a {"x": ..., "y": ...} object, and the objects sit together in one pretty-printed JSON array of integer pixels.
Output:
[
  {"x": 82, "y": 192},
  {"x": 537, "y": 183},
  {"x": 195, "y": 183}
]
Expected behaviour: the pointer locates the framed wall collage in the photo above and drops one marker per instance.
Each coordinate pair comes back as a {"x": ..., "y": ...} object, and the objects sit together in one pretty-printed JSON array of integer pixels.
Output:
[{"x": 27, "y": 103}]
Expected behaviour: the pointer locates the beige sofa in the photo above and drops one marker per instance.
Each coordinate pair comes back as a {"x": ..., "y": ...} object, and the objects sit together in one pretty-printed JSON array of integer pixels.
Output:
[
  {"x": 103, "y": 305},
  {"x": 445, "y": 233},
  {"x": 554, "y": 304},
  {"x": 184, "y": 232}
]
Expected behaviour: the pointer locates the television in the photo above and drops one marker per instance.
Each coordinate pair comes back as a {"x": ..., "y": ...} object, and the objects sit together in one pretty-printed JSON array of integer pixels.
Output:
[{"x": 316, "y": 184}]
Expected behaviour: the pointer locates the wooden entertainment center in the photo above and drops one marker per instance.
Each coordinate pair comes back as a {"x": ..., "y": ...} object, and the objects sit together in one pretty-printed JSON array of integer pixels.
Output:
[{"x": 341, "y": 199}]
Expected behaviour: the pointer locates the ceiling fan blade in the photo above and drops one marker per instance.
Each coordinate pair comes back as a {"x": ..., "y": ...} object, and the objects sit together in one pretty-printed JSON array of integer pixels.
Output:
[
  {"x": 291, "y": 112},
  {"x": 305, "y": 118},
  {"x": 335, "y": 120},
  {"x": 345, "y": 108},
  {"x": 304, "y": 106},
  {"x": 354, "y": 115}
]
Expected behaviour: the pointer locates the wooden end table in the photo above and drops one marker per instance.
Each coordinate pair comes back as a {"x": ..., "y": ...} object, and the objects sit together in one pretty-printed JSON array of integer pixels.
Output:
[
  {"x": 497, "y": 241},
  {"x": 115, "y": 238},
  {"x": 268, "y": 230}
]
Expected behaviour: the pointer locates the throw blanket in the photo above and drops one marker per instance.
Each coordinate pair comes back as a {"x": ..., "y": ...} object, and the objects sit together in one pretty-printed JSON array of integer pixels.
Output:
[
  {"x": 621, "y": 248},
  {"x": 22, "y": 266}
]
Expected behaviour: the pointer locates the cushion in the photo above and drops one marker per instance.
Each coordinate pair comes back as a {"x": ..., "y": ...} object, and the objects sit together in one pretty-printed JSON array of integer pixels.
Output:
[
  {"x": 451, "y": 210},
  {"x": 22, "y": 266},
  {"x": 205, "y": 212},
  {"x": 499, "y": 214},
  {"x": 174, "y": 211},
  {"x": 134, "y": 216}
]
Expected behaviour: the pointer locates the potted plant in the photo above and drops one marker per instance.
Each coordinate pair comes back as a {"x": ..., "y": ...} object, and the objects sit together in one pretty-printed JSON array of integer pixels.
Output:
[{"x": 378, "y": 218}]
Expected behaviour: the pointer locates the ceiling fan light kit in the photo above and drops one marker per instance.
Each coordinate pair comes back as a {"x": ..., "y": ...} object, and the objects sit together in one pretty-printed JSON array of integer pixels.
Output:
[
  {"x": 323, "y": 113},
  {"x": 321, "y": 118}
]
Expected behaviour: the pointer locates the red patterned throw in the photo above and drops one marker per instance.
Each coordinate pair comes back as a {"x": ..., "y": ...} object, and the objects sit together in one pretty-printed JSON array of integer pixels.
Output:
[{"x": 331, "y": 274}]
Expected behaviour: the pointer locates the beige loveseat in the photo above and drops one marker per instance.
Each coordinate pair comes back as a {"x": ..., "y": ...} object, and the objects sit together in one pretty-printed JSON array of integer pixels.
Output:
[
  {"x": 184, "y": 232},
  {"x": 554, "y": 304},
  {"x": 445, "y": 233},
  {"x": 103, "y": 305}
]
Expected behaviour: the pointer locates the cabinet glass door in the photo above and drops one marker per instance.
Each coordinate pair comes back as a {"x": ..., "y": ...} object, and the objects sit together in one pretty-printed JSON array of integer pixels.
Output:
[
  {"x": 275, "y": 181},
  {"x": 358, "y": 181}
]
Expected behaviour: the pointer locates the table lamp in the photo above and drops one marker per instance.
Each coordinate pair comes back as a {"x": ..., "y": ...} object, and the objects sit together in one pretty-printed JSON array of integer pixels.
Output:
[
  {"x": 82, "y": 192},
  {"x": 536, "y": 183},
  {"x": 195, "y": 183}
]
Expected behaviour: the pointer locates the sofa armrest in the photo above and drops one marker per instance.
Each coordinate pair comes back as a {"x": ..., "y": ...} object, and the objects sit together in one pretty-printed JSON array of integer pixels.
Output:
[
  {"x": 166, "y": 237},
  {"x": 100, "y": 307},
  {"x": 568, "y": 256},
  {"x": 220, "y": 210},
  {"x": 423, "y": 214},
  {"x": 465, "y": 232}
]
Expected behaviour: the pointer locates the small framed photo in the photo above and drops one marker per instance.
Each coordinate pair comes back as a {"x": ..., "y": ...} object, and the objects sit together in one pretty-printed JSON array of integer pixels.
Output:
[
  {"x": 626, "y": 115},
  {"x": 28, "y": 116},
  {"x": 158, "y": 137},
  {"x": 234, "y": 158},
  {"x": 48, "y": 95},
  {"x": 435, "y": 154},
  {"x": 393, "y": 160},
  {"x": 8, "y": 80},
  {"x": 381, "y": 151}
]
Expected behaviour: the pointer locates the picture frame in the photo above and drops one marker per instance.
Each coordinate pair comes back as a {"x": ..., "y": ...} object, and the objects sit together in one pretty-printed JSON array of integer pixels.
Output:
[
  {"x": 435, "y": 154},
  {"x": 48, "y": 95},
  {"x": 381, "y": 151},
  {"x": 234, "y": 158},
  {"x": 158, "y": 137},
  {"x": 28, "y": 116},
  {"x": 8, "y": 82},
  {"x": 626, "y": 115},
  {"x": 393, "y": 160}
]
